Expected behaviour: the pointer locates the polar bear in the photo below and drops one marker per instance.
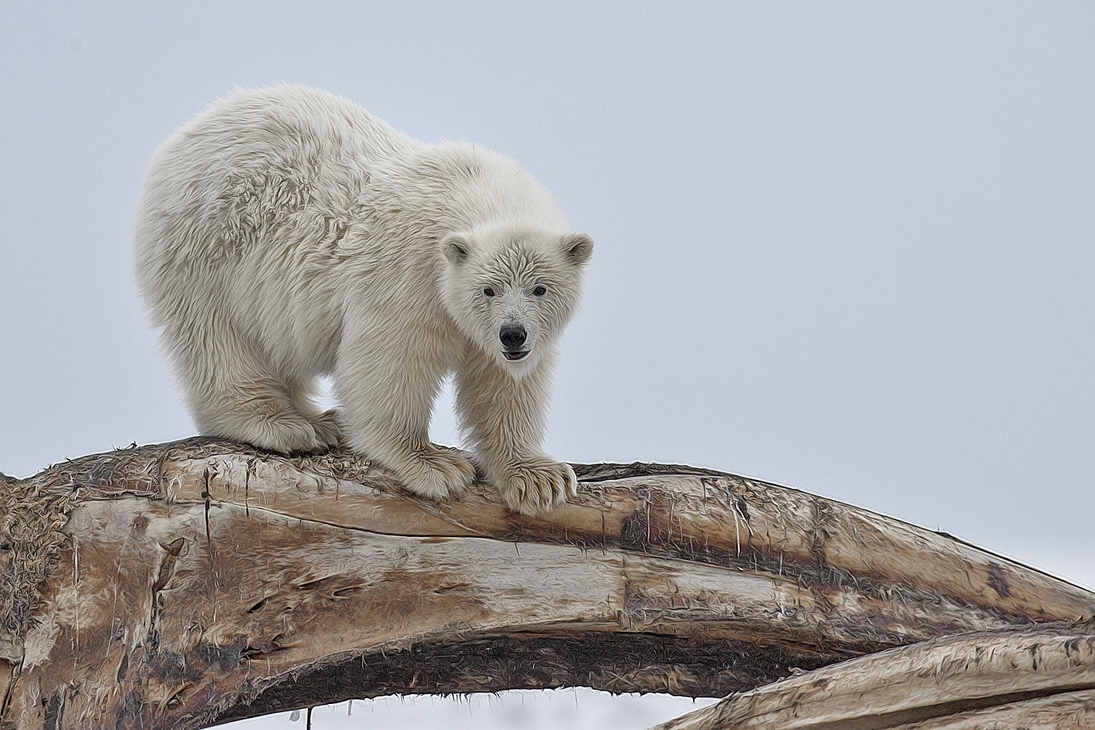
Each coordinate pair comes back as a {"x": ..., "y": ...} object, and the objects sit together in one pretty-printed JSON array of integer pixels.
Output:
[{"x": 286, "y": 234}]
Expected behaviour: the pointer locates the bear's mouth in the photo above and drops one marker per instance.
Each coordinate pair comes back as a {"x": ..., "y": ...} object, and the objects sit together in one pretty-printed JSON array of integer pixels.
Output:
[{"x": 512, "y": 356}]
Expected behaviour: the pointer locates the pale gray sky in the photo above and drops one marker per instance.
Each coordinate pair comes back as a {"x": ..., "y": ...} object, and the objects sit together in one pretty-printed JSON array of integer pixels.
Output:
[{"x": 845, "y": 247}]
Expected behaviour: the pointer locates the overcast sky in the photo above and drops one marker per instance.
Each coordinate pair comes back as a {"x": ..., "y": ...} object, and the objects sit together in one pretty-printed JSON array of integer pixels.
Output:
[{"x": 845, "y": 247}]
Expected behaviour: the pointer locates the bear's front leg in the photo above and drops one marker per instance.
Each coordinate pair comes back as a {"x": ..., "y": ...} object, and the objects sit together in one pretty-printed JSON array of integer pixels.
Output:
[
  {"x": 387, "y": 390},
  {"x": 505, "y": 419}
]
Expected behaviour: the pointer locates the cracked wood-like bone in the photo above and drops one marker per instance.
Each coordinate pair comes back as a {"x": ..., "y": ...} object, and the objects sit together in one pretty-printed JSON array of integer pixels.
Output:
[
  {"x": 195, "y": 582},
  {"x": 1028, "y": 678}
]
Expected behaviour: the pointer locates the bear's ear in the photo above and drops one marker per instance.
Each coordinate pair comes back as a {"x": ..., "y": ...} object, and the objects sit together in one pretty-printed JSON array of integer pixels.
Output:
[
  {"x": 578, "y": 248},
  {"x": 455, "y": 247}
]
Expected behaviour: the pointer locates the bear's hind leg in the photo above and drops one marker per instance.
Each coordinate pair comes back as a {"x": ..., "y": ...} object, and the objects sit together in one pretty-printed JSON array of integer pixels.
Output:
[
  {"x": 233, "y": 393},
  {"x": 302, "y": 395}
]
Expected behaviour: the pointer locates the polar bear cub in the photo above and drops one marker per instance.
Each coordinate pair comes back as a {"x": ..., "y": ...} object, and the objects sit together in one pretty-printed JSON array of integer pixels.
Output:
[{"x": 286, "y": 234}]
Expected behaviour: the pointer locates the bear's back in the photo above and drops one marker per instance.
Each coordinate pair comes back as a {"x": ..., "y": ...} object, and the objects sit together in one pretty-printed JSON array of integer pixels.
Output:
[
  {"x": 245, "y": 205},
  {"x": 253, "y": 163},
  {"x": 456, "y": 186}
]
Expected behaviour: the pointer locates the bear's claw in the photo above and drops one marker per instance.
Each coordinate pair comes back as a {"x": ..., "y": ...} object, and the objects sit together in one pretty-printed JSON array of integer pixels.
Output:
[{"x": 537, "y": 485}]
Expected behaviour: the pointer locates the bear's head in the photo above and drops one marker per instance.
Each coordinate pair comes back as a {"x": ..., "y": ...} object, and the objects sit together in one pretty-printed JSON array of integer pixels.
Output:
[{"x": 512, "y": 288}]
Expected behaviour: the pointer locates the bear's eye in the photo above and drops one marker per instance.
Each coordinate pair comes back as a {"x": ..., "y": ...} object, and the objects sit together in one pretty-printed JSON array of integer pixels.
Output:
[
  {"x": 488, "y": 291},
  {"x": 539, "y": 291}
]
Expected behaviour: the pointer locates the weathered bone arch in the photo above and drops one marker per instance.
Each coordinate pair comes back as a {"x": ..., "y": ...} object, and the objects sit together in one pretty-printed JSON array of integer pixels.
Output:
[{"x": 200, "y": 581}]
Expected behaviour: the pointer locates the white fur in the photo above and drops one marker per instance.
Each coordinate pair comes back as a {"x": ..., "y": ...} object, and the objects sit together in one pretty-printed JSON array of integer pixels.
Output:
[{"x": 286, "y": 234}]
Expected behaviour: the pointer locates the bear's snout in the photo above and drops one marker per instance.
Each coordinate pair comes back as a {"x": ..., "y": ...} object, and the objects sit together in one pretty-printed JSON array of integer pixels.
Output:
[{"x": 513, "y": 337}]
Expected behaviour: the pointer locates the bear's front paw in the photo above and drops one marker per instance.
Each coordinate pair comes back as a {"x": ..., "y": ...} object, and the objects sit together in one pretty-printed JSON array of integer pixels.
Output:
[
  {"x": 536, "y": 485},
  {"x": 436, "y": 471}
]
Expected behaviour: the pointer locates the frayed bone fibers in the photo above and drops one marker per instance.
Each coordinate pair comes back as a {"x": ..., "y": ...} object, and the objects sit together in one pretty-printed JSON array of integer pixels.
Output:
[{"x": 287, "y": 234}]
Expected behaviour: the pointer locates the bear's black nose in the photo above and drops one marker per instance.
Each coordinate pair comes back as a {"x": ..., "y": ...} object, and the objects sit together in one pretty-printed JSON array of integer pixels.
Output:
[{"x": 512, "y": 336}]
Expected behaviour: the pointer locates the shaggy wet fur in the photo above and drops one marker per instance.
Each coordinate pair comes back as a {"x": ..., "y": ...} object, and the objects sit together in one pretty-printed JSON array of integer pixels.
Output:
[{"x": 286, "y": 234}]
